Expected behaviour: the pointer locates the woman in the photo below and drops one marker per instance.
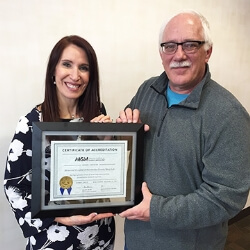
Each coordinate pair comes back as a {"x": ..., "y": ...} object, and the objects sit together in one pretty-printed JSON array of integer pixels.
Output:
[{"x": 71, "y": 92}]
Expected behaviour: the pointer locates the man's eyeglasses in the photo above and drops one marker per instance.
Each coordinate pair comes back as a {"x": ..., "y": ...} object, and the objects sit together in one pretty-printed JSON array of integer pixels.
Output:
[{"x": 188, "y": 47}]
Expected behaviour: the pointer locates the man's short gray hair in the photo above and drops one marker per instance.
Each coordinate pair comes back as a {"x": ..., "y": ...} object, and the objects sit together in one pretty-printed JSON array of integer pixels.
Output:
[{"x": 205, "y": 26}]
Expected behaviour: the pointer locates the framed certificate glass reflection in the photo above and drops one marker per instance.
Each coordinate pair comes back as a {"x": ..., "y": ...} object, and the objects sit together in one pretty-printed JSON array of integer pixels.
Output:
[{"x": 80, "y": 168}]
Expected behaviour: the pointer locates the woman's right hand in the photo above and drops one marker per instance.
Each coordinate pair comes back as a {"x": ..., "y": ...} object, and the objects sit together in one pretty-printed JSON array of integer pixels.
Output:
[
  {"x": 102, "y": 119},
  {"x": 81, "y": 219}
]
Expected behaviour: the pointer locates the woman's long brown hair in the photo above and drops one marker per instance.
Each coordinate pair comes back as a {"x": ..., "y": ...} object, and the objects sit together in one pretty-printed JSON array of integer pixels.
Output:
[{"x": 89, "y": 102}]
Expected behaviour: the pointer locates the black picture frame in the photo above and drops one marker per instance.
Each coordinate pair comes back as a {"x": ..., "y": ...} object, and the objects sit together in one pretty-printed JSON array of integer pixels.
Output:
[{"x": 46, "y": 134}]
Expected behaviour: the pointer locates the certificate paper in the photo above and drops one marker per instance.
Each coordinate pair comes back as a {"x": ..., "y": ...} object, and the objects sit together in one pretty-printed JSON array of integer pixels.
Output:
[{"x": 88, "y": 170}]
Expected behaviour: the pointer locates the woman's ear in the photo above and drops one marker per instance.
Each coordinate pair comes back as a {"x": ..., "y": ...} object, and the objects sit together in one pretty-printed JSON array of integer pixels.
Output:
[{"x": 54, "y": 79}]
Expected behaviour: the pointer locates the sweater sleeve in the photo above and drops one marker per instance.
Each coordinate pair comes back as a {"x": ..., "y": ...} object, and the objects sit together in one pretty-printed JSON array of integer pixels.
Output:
[{"x": 18, "y": 175}]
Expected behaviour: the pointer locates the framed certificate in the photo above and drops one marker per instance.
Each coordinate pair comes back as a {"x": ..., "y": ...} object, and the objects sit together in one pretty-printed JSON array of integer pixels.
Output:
[{"x": 80, "y": 168}]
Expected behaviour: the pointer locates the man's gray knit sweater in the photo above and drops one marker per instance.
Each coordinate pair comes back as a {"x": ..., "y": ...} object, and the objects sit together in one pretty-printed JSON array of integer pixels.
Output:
[{"x": 196, "y": 165}]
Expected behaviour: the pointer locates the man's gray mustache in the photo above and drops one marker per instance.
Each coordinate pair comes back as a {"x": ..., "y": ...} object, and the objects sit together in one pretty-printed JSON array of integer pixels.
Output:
[{"x": 180, "y": 64}]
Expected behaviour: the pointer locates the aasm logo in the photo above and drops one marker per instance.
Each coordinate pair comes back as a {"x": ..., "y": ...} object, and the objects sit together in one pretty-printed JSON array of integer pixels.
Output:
[{"x": 83, "y": 158}]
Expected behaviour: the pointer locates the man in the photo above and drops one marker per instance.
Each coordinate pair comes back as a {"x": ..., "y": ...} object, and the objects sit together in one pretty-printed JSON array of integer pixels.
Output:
[{"x": 197, "y": 147}]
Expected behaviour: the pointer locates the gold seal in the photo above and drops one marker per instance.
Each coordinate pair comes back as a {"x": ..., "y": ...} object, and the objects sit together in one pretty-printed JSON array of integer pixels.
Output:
[{"x": 66, "y": 182}]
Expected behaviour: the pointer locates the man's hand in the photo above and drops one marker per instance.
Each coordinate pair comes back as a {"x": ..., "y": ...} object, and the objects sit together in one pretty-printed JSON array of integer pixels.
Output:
[
  {"x": 81, "y": 219},
  {"x": 130, "y": 116},
  {"x": 142, "y": 210}
]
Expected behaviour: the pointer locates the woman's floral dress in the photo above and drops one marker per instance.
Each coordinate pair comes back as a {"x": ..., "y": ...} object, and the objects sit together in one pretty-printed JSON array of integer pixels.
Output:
[{"x": 45, "y": 233}]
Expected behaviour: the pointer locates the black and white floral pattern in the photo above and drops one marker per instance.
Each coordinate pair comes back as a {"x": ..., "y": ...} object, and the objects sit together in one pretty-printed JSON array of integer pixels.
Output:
[{"x": 45, "y": 233}]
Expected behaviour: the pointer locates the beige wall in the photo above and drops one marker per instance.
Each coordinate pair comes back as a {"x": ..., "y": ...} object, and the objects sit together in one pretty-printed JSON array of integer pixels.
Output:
[{"x": 124, "y": 35}]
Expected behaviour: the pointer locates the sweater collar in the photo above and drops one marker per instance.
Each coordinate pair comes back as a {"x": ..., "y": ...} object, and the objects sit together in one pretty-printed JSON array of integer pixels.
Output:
[{"x": 193, "y": 99}]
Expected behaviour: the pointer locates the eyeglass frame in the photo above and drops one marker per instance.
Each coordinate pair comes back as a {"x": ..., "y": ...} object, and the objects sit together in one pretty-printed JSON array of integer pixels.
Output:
[{"x": 188, "y": 52}]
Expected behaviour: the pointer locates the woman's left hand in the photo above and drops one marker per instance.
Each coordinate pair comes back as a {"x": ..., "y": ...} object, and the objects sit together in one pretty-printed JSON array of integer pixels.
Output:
[
  {"x": 81, "y": 219},
  {"x": 102, "y": 118}
]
